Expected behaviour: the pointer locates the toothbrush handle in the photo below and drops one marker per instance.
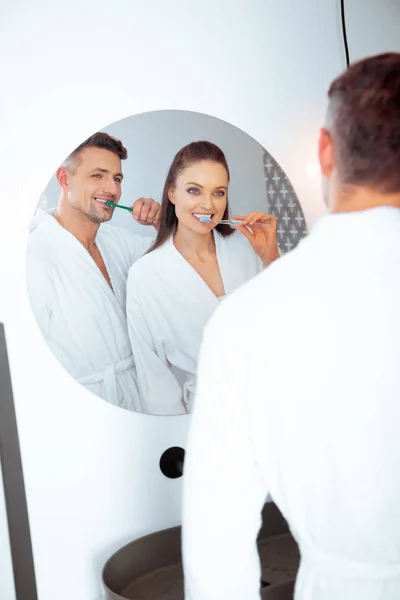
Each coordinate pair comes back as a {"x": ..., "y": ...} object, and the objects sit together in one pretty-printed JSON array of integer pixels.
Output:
[
  {"x": 120, "y": 206},
  {"x": 235, "y": 222},
  {"x": 228, "y": 222}
]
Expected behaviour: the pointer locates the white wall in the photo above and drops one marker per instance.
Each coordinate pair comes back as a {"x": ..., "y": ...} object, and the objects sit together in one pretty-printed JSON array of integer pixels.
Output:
[
  {"x": 91, "y": 471},
  {"x": 373, "y": 27}
]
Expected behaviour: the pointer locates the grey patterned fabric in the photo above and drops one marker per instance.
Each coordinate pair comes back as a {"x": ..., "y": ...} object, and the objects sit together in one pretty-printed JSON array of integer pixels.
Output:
[{"x": 284, "y": 205}]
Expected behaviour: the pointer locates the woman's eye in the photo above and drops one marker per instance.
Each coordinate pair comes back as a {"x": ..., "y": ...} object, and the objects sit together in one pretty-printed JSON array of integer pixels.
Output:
[
  {"x": 220, "y": 193},
  {"x": 192, "y": 190},
  {"x": 96, "y": 175}
]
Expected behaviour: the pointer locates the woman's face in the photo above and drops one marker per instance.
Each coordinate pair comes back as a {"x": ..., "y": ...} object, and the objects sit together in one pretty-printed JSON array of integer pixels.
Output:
[{"x": 201, "y": 189}]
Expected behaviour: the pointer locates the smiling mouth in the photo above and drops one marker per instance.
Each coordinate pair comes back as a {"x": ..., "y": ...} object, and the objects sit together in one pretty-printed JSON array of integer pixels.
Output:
[
  {"x": 103, "y": 202},
  {"x": 204, "y": 214}
]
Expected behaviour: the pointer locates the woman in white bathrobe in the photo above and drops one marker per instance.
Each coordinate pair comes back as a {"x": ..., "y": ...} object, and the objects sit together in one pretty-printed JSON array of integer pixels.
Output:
[{"x": 174, "y": 289}]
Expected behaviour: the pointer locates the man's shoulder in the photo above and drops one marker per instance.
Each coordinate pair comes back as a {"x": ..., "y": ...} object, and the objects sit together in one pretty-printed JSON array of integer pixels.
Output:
[
  {"x": 108, "y": 231},
  {"x": 41, "y": 243},
  {"x": 125, "y": 240}
]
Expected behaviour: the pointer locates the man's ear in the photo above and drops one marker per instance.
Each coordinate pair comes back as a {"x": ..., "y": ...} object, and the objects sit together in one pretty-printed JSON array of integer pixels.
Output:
[
  {"x": 326, "y": 153},
  {"x": 62, "y": 176}
]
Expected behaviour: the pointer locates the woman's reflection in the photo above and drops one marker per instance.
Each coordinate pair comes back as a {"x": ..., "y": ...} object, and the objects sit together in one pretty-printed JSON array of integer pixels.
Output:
[{"x": 173, "y": 290}]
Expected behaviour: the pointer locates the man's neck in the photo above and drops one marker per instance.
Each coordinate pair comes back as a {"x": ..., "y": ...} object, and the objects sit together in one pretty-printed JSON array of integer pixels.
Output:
[
  {"x": 358, "y": 199},
  {"x": 78, "y": 224}
]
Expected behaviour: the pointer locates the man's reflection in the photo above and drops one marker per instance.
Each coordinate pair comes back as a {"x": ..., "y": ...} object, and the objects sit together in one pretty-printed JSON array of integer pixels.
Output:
[{"x": 77, "y": 265}]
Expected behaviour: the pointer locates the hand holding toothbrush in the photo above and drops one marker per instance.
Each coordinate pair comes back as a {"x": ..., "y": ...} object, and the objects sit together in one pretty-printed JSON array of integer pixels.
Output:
[
  {"x": 262, "y": 237},
  {"x": 147, "y": 211}
]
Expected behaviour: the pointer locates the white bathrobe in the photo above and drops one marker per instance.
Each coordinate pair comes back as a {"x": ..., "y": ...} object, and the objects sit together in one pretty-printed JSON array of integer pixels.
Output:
[
  {"x": 82, "y": 319},
  {"x": 301, "y": 399},
  {"x": 168, "y": 305}
]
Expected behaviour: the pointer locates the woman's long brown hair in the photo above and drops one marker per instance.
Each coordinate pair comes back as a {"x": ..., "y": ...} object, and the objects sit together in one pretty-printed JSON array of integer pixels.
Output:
[{"x": 187, "y": 156}]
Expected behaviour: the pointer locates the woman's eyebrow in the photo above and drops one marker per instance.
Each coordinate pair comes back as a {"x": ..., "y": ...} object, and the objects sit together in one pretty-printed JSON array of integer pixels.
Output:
[{"x": 199, "y": 185}]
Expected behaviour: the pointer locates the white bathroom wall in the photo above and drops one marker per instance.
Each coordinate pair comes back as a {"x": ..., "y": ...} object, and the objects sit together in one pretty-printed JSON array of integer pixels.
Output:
[
  {"x": 91, "y": 470},
  {"x": 373, "y": 27}
]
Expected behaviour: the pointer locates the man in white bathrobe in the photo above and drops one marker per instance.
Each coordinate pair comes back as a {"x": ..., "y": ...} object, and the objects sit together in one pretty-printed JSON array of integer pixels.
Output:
[
  {"x": 77, "y": 268},
  {"x": 298, "y": 388}
]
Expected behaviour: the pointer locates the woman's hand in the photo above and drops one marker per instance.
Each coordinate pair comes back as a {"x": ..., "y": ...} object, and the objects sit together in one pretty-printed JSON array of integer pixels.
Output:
[{"x": 262, "y": 236}]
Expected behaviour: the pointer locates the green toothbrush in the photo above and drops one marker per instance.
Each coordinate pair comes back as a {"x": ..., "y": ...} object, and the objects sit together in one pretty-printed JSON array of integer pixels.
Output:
[{"x": 113, "y": 205}]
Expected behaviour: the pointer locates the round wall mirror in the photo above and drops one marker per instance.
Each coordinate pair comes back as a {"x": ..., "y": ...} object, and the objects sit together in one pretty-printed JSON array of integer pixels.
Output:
[{"x": 145, "y": 228}]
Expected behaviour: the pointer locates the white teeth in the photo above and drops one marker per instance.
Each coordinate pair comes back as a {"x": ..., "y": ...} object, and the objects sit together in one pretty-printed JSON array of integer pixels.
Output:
[{"x": 202, "y": 215}]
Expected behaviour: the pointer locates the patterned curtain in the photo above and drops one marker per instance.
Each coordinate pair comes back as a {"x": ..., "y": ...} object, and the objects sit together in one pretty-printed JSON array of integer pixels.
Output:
[{"x": 284, "y": 205}]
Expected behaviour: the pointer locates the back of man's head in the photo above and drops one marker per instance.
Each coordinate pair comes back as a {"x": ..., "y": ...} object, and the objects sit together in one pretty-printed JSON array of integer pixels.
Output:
[{"x": 364, "y": 122}]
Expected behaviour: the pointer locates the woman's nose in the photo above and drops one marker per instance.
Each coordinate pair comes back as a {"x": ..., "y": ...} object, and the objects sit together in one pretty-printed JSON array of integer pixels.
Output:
[{"x": 206, "y": 201}]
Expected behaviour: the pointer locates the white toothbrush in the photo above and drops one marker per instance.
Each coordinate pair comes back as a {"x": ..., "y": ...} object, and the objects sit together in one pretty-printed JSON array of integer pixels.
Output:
[{"x": 208, "y": 219}]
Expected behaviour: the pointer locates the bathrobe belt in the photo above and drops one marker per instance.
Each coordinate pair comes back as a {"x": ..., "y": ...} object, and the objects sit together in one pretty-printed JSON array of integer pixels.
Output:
[{"x": 108, "y": 377}]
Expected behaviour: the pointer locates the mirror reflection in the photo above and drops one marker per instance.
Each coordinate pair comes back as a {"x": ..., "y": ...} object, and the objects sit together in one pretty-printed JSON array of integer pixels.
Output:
[{"x": 142, "y": 232}]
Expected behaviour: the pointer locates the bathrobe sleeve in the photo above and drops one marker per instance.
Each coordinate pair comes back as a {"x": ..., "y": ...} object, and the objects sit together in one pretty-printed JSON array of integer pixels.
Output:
[
  {"x": 135, "y": 245},
  {"x": 224, "y": 491}
]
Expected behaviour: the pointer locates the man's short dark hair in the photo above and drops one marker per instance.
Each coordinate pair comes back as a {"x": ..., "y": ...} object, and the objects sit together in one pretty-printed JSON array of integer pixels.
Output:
[
  {"x": 364, "y": 121},
  {"x": 97, "y": 140}
]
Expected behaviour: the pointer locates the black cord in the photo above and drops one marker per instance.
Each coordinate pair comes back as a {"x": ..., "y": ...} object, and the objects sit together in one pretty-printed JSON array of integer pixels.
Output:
[{"x": 346, "y": 47}]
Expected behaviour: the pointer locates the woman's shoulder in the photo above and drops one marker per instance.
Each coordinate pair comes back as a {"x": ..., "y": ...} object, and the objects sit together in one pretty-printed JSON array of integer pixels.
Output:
[
  {"x": 237, "y": 248},
  {"x": 152, "y": 262},
  {"x": 235, "y": 240}
]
